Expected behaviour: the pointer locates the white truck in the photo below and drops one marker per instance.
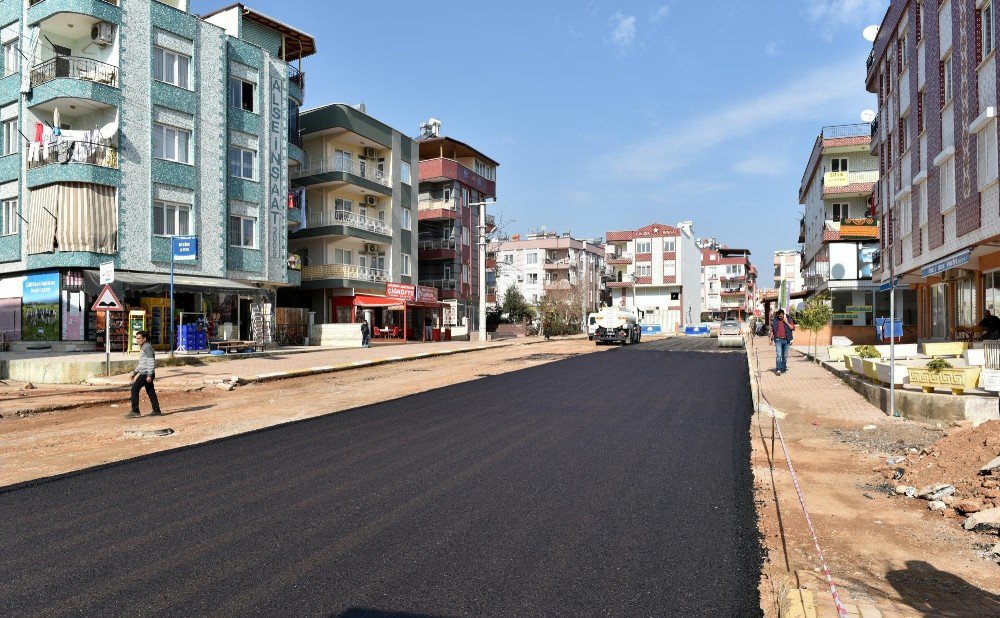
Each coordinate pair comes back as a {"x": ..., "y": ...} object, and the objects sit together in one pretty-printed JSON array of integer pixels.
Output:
[{"x": 617, "y": 325}]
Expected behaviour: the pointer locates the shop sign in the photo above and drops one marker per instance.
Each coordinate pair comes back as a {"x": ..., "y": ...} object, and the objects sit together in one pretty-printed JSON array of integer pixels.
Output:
[
  {"x": 952, "y": 261},
  {"x": 859, "y": 308},
  {"x": 835, "y": 179},
  {"x": 426, "y": 294},
  {"x": 859, "y": 229},
  {"x": 107, "y": 273},
  {"x": 294, "y": 261},
  {"x": 402, "y": 291},
  {"x": 184, "y": 248},
  {"x": 40, "y": 307},
  {"x": 888, "y": 285},
  {"x": 847, "y": 315}
]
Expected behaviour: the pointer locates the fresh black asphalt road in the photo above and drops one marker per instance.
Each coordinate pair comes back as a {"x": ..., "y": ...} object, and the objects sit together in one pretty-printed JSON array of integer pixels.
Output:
[{"x": 615, "y": 483}]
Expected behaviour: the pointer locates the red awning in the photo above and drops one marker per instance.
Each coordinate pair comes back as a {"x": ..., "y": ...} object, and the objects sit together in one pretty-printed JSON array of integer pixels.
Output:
[{"x": 362, "y": 300}]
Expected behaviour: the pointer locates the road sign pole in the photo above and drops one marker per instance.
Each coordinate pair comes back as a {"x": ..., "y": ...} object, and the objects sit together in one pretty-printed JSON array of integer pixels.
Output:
[
  {"x": 107, "y": 342},
  {"x": 171, "y": 301}
]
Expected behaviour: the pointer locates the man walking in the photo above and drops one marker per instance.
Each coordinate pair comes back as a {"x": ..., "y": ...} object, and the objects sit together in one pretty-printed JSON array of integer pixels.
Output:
[
  {"x": 781, "y": 337},
  {"x": 143, "y": 376}
]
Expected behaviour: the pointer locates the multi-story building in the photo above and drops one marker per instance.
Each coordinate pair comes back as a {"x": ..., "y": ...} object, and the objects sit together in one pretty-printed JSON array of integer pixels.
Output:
[
  {"x": 546, "y": 263},
  {"x": 935, "y": 71},
  {"x": 788, "y": 271},
  {"x": 454, "y": 180},
  {"x": 357, "y": 234},
  {"x": 839, "y": 235},
  {"x": 728, "y": 282},
  {"x": 126, "y": 125},
  {"x": 657, "y": 268}
]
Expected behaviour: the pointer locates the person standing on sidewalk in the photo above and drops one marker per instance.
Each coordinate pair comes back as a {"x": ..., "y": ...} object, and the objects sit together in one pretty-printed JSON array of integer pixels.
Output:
[
  {"x": 143, "y": 376},
  {"x": 781, "y": 337}
]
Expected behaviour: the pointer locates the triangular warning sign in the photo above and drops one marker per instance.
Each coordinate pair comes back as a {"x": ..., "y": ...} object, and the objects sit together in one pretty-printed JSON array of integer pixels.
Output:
[{"x": 107, "y": 301}]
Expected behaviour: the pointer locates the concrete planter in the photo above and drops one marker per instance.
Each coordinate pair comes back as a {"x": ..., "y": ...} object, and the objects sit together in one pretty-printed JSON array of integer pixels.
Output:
[
  {"x": 882, "y": 371},
  {"x": 903, "y": 350},
  {"x": 945, "y": 348},
  {"x": 868, "y": 366},
  {"x": 836, "y": 353},
  {"x": 975, "y": 357},
  {"x": 957, "y": 378},
  {"x": 857, "y": 365}
]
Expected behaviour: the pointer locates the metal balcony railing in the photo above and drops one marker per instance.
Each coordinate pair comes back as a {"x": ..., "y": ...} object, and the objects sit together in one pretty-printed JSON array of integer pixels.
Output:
[
  {"x": 862, "y": 129},
  {"x": 436, "y": 244},
  {"x": 344, "y": 271},
  {"x": 72, "y": 152},
  {"x": 73, "y": 67},
  {"x": 343, "y": 164},
  {"x": 297, "y": 77},
  {"x": 853, "y": 178},
  {"x": 441, "y": 284},
  {"x": 350, "y": 219}
]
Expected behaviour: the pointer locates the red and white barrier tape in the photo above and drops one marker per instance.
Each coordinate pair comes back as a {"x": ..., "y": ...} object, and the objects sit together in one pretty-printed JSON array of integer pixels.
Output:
[{"x": 841, "y": 611}]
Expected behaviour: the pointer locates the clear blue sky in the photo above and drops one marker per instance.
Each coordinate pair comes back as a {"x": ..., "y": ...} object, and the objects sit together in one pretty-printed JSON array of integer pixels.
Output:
[{"x": 609, "y": 115}]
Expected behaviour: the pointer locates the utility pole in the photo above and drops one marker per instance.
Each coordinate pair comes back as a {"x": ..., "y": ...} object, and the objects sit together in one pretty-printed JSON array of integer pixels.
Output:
[{"x": 482, "y": 266}]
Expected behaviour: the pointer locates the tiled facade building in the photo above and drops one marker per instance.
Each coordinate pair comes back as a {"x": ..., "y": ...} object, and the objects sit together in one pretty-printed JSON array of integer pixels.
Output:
[
  {"x": 934, "y": 69},
  {"x": 728, "y": 283},
  {"x": 657, "y": 268},
  {"x": 454, "y": 179},
  {"x": 125, "y": 123}
]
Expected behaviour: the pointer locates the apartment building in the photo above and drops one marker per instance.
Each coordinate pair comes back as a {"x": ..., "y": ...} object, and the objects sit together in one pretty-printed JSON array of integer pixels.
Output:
[
  {"x": 839, "y": 235},
  {"x": 357, "y": 240},
  {"x": 933, "y": 66},
  {"x": 788, "y": 271},
  {"x": 126, "y": 125},
  {"x": 657, "y": 268},
  {"x": 728, "y": 282},
  {"x": 455, "y": 179},
  {"x": 545, "y": 263}
]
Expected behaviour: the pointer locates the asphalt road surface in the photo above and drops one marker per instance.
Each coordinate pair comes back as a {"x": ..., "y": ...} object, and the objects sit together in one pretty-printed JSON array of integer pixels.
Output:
[{"x": 616, "y": 483}]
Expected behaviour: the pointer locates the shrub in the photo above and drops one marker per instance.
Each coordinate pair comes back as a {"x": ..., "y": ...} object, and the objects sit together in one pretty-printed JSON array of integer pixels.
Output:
[
  {"x": 868, "y": 351},
  {"x": 937, "y": 364}
]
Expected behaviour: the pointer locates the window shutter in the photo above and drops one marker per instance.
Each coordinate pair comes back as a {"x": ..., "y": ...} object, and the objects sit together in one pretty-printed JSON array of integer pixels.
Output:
[
  {"x": 979, "y": 37},
  {"x": 920, "y": 6},
  {"x": 881, "y": 159},
  {"x": 899, "y": 55},
  {"x": 941, "y": 83},
  {"x": 902, "y": 138},
  {"x": 920, "y": 112}
]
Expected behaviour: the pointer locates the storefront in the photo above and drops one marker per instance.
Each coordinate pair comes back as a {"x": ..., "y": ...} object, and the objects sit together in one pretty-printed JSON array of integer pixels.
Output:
[{"x": 406, "y": 312}]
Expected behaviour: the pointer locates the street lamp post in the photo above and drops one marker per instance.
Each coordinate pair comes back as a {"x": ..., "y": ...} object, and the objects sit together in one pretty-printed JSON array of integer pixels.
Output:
[{"x": 482, "y": 266}]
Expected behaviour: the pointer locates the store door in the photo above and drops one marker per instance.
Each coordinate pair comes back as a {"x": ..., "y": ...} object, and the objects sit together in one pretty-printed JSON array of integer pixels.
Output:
[
  {"x": 244, "y": 317},
  {"x": 939, "y": 311}
]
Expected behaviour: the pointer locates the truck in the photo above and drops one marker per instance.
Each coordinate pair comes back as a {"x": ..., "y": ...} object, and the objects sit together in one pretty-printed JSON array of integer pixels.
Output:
[{"x": 618, "y": 325}]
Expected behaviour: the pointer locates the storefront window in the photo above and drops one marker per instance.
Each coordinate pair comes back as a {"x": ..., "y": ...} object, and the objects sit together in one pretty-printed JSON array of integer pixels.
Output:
[
  {"x": 866, "y": 257},
  {"x": 965, "y": 302},
  {"x": 991, "y": 291},
  {"x": 939, "y": 311}
]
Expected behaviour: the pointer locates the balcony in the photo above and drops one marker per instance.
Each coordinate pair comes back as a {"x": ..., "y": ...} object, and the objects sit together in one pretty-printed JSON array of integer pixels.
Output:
[
  {"x": 561, "y": 264},
  {"x": 561, "y": 284},
  {"x": 71, "y": 67},
  {"x": 846, "y": 184},
  {"x": 624, "y": 258},
  {"x": 444, "y": 284},
  {"x": 76, "y": 152},
  {"x": 342, "y": 169},
  {"x": 327, "y": 218},
  {"x": 344, "y": 271},
  {"x": 438, "y": 249},
  {"x": 297, "y": 83},
  {"x": 861, "y": 129},
  {"x": 449, "y": 169},
  {"x": 626, "y": 282},
  {"x": 428, "y": 210}
]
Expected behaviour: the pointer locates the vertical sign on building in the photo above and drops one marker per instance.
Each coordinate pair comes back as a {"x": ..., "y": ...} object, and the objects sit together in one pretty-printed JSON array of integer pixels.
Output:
[{"x": 277, "y": 190}]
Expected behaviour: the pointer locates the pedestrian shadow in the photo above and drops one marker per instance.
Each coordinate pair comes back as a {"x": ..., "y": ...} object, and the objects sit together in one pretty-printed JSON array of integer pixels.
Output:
[
  {"x": 367, "y": 612},
  {"x": 189, "y": 409},
  {"x": 933, "y": 592}
]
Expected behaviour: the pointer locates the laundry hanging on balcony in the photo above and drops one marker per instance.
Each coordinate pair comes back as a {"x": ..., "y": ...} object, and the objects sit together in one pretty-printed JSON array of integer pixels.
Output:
[{"x": 73, "y": 216}]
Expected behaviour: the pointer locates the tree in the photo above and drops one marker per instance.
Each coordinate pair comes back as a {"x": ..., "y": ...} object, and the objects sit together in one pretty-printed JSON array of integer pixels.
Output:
[
  {"x": 515, "y": 307},
  {"x": 561, "y": 311},
  {"x": 814, "y": 317}
]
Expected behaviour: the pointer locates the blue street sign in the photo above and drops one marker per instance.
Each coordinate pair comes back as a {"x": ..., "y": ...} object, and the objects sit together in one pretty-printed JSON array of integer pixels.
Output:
[
  {"x": 184, "y": 248},
  {"x": 952, "y": 261},
  {"x": 888, "y": 285}
]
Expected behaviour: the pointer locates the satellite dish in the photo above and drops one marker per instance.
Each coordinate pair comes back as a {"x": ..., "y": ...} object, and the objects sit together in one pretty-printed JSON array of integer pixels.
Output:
[
  {"x": 870, "y": 33},
  {"x": 867, "y": 115}
]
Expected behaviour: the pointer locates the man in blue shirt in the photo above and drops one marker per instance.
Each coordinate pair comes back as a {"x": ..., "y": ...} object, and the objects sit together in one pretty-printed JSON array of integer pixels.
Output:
[{"x": 781, "y": 337}]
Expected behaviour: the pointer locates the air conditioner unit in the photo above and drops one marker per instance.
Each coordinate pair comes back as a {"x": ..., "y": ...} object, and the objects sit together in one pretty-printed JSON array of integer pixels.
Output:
[
  {"x": 371, "y": 200},
  {"x": 371, "y": 153},
  {"x": 371, "y": 248},
  {"x": 103, "y": 33}
]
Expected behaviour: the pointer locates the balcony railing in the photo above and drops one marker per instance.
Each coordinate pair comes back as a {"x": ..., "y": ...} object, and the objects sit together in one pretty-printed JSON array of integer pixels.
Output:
[
  {"x": 351, "y": 219},
  {"x": 73, "y": 67},
  {"x": 297, "y": 77},
  {"x": 441, "y": 284},
  {"x": 449, "y": 244},
  {"x": 837, "y": 179},
  {"x": 111, "y": 2},
  {"x": 561, "y": 284},
  {"x": 73, "y": 152},
  {"x": 343, "y": 271},
  {"x": 342, "y": 164},
  {"x": 451, "y": 204},
  {"x": 862, "y": 129}
]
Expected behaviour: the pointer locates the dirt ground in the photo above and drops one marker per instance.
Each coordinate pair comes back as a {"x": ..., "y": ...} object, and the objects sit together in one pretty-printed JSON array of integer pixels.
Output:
[
  {"x": 884, "y": 551},
  {"x": 38, "y": 445}
]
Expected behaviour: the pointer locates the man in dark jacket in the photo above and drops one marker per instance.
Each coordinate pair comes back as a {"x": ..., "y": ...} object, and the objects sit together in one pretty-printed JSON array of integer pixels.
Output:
[
  {"x": 781, "y": 337},
  {"x": 991, "y": 325}
]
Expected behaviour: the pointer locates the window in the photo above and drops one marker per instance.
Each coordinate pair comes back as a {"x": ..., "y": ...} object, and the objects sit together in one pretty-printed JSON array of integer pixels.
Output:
[
  {"x": 838, "y": 165},
  {"x": 643, "y": 270},
  {"x": 986, "y": 143},
  {"x": 947, "y": 184},
  {"x": 171, "y": 219},
  {"x": 484, "y": 170},
  {"x": 171, "y": 67},
  {"x": 923, "y": 203},
  {"x": 902, "y": 52},
  {"x": 841, "y": 212},
  {"x": 241, "y": 94},
  {"x": 405, "y": 267},
  {"x": 404, "y": 172},
  {"x": 465, "y": 236},
  {"x": 643, "y": 246},
  {"x": 404, "y": 219},
  {"x": 343, "y": 256},
  {"x": 533, "y": 278},
  {"x": 171, "y": 143},
  {"x": 920, "y": 112},
  {"x": 939, "y": 311},
  {"x": 11, "y": 58},
  {"x": 946, "y": 83},
  {"x": 669, "y": 246},
  {"x": 904, "y": 130},
  {"x": 10, "y": 217},
  {"x": 243, "y": 231},
  {"x": 11, "y": 138},
  {"x": 965, "y": 302},
  {"x": 508, "y": 258},
  {"x": 986, "y": 28},
  {"x": 242, "y": 162},
  {"x": 531, "y": 258}
]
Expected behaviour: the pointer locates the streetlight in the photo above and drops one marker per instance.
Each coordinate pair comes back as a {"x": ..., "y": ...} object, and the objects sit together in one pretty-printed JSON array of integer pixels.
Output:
[{"x": 482, "y": 266}]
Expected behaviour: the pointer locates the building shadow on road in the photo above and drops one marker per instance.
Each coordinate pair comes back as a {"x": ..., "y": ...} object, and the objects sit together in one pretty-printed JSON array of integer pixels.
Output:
[
  {"x": 367, "y": 612},
  {"x": 933, "y": 592}
]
